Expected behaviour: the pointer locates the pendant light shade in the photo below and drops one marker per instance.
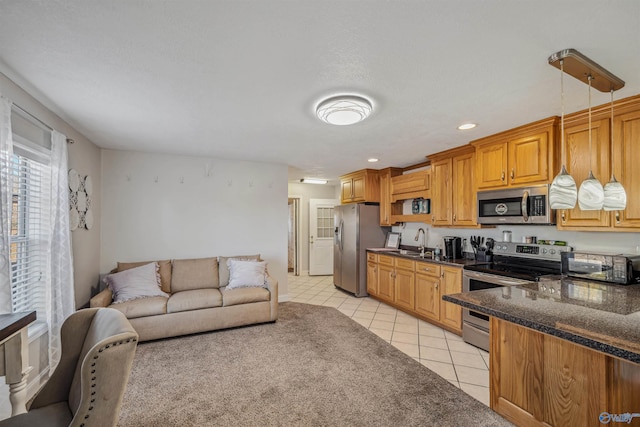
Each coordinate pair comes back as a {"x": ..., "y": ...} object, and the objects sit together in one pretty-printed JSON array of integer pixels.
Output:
[
  {"x": 591, "y": 193},
  {"x": 615, "y": 198},
  {"x": 563, "y": 191}
]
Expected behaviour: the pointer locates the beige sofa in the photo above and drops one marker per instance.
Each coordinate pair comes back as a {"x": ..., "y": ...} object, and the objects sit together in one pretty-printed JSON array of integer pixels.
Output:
[{"x": 198, "y": 300}]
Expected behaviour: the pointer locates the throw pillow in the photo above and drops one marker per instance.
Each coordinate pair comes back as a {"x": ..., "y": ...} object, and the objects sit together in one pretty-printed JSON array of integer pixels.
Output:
[
  {"x": 246, "y": 274},
  {"x": 135, "y": 283},
  {"x": 165, "y": 271},
  {"x": 224, "y": 269}
]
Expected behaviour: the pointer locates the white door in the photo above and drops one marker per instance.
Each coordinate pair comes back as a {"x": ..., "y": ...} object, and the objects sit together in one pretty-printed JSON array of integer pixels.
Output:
[{"x": 321, "y": 228}]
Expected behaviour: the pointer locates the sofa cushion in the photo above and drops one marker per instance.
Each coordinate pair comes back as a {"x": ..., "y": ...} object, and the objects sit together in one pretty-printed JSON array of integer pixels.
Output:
[
  {"x": 135, "y": 283},
  {"x": 224, "y": 268},
  {"x": 195, "y": 299},
  {"x": 152, "y": 306},
  {"x": 200, "y": 273},
  {"x": 244, "y": 295},
  {"x": 246, "y": 274},
  {"x": 165, "y": 271}
]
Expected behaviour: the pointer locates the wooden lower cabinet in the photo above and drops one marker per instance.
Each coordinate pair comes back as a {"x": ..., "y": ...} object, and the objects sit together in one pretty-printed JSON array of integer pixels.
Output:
[
  {"x": 541, "y": 380},
  {"x": 416, "y": 287}
]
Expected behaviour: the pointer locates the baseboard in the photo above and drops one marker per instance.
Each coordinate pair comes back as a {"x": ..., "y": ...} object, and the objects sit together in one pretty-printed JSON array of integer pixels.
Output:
[
  {"x": 284, "y": 298},
  {"x": 35, "y": 384}
]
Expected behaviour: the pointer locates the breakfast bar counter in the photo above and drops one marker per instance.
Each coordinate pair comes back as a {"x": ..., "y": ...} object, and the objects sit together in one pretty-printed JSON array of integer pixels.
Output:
[{"x": 562, "y": 352}]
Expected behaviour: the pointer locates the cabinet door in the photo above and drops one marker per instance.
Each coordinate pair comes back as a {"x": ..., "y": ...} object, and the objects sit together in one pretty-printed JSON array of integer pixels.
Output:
[
  {"x": 372, "y": 278},
  {"x": 491, "y": 165},
  {"x": 451, "y": 283},
  {"x": 346, "y": 192},
  {"x": 441, "y": 202},
  {"x": 385, "y": 199},
  {"x": 428, "y": 295},
  {"x": 464, "y": 195},
  {"x": 529, "y": 159},
  {"x": 359, "y": 188},
  {"x": 626, "y": 166},
  {"x": 405, "y": 289},
  {"x": 385, "y": 282},
  {"x": 577, "y": 163}
]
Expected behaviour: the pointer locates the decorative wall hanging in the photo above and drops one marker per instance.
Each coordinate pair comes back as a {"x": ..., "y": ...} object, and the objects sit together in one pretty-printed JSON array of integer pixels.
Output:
[{"x": 80, "y": 192}]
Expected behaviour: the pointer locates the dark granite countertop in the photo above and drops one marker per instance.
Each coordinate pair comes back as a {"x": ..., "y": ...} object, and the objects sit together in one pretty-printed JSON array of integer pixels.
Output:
[
  {"x": 601, "y": 316},
  {"x": 429, "y": 257}
]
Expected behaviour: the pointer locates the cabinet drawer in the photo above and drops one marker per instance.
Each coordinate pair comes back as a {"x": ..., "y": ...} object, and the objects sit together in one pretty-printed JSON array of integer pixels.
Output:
[
  {"x": 372, "y": 257},
  {"x": 405, "y": 264},
  {"x": 428, "y": 268},
  {"x": 385, "y": 259}
]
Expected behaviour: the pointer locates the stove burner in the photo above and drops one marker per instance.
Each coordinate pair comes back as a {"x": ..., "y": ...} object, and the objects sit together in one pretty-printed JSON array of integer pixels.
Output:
[{"x": 516, "y": 267}]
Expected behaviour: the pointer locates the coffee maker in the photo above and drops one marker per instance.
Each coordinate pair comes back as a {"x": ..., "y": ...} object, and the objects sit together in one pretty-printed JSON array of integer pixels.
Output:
[{"x": 452, "y": 247}]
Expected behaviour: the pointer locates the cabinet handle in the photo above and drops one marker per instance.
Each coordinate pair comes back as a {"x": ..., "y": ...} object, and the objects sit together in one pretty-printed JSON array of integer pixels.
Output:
[
  {"x": 454, "y": 217},
  {"x": 433, "y": 219},
  {"x": 426, "y": 269},
  {"x": 618, "y": 217},
  {"x": 564, "y": 217},
  {"x": 442, "y": 274},
  {"x": 502, "y": 176},
  {"x": 513, "y": 173},
  {"x": 436, "y": 285}
]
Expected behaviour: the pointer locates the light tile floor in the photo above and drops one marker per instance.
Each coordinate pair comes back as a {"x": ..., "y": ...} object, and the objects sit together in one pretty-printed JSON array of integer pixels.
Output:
[{"x": 463, "y": 365}]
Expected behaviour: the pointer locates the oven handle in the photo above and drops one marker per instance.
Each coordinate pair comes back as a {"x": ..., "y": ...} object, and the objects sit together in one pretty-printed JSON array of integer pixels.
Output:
[
  {"x": 525, "y": 206},
  {"x": 492, "y": 278}
]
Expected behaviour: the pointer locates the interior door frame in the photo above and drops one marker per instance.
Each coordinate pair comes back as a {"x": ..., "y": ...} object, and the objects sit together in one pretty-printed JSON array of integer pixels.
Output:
[{"x": 297, "y": 252}]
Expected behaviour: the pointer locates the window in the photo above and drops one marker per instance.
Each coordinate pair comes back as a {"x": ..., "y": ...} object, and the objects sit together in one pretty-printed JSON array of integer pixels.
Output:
[{"x": 30, "y": 207}]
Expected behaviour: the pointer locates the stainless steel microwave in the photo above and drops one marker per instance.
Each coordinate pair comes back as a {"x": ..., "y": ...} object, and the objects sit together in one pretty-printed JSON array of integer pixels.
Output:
[
  {"x": 526, "y": 205},
  {"x": 612, "y": 268}
]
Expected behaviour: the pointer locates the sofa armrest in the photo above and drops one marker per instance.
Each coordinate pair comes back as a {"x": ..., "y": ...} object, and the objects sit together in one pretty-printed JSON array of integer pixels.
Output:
[
  {"x": 272, "y": 286},
  {"x": 103, "y": 299}
]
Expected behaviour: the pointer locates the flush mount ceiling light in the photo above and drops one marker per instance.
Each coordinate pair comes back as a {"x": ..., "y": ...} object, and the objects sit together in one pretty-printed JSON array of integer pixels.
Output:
[
  {"x": 372, "y": 160},
  {"x": 467, "y": 126},
  {"x": 313, "y": 181},
  {"x": 344, "y": 110}
]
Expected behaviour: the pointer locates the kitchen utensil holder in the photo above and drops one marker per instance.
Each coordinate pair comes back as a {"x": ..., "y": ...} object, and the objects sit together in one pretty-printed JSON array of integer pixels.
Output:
[{"x": 484, "y": 256}]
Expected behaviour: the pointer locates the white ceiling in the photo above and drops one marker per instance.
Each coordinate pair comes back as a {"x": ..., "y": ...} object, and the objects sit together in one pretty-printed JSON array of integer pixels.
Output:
[{"x": 240, "y": 79}]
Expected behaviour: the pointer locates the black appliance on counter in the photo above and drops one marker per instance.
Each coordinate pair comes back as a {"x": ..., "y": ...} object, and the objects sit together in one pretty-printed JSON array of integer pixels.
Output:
[
  {"x": 513, "y": 264},
  {"x": 612, "y": 268},
  {"x": 452, "y": 247}
]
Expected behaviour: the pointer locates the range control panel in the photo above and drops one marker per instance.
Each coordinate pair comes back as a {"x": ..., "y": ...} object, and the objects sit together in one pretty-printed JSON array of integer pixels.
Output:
[{"x": 529, "y": 250}]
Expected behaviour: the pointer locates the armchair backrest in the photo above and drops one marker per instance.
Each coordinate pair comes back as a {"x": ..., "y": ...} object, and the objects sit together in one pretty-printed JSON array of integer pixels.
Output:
[{"x": 98, "y": 346}]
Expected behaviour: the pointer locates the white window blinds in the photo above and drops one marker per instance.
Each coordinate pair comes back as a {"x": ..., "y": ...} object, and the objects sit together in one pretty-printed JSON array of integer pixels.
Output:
[{"x": 30, "y": 225}]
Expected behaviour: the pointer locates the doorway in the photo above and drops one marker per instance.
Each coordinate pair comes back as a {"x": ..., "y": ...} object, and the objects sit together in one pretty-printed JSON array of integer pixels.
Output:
[{"x": 293, "y": 263}]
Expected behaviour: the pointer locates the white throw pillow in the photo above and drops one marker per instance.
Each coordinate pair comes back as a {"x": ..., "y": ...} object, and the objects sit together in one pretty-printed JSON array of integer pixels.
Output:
[
  {"x": 246, "y": 274},
  {"x": 135, "y": 283}
]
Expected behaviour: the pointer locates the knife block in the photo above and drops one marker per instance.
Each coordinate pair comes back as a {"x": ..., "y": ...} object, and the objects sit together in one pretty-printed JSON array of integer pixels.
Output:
[{"x": 484, "y": 256}]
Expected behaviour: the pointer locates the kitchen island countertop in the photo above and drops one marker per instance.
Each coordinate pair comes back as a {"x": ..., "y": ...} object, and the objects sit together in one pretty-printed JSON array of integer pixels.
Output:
[{"x": 600, "y": 316}]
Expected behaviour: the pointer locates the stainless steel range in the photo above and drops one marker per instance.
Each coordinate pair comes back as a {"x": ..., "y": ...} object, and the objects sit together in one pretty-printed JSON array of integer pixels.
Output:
[{"x": 513, "y": 264}]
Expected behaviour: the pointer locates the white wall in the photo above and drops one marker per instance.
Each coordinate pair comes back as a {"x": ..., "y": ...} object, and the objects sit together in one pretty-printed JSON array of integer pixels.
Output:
[
  {"x": 306, "y": 192},
  {"x": 158, "y": 206},
  {"x": 592, "y": 241}
]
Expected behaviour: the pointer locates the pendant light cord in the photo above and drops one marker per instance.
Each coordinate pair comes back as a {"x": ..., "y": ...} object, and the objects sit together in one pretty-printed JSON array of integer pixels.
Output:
[
  {"x": 562, "y": 112},
  {"x": 590, "y": 167},
  {"x": 613, "y": 177}
]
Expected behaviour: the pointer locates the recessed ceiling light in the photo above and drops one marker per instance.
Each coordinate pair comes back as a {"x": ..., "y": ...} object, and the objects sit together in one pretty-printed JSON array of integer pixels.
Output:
[
  {"x": 344, "y": 110},
  {"x": 467, "y": 126},
  {"x": 372, "y": 160},
  {"x": 313, "y": 181}
]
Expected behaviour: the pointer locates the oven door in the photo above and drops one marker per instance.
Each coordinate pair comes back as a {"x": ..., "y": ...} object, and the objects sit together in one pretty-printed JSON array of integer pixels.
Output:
[{"x": 475, "y": 325}]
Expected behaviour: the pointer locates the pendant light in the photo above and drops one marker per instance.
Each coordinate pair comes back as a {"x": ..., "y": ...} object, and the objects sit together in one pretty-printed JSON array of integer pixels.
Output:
[
  {"x": 591, "y": 193},
  {"x": 615, "y": 198},
  {"x": 563, "y": 192}
]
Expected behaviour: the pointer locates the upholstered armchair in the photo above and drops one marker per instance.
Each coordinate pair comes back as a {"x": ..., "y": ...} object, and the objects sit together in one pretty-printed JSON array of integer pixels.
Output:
[{"x": 87, "y": 387}]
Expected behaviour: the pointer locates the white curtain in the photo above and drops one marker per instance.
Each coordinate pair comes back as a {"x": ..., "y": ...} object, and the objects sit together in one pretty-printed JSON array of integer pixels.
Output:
[
  {"x": 6, "y": 151},
  {"x": 60, "y": 289}
]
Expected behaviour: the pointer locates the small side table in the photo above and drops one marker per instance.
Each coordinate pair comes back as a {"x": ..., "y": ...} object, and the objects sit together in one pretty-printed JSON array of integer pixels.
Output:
[{"x": 14, "y": 357}]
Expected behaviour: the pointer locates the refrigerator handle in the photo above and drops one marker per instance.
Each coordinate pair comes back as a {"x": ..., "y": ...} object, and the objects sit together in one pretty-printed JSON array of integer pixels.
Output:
[{"x": 341, "y": 234}]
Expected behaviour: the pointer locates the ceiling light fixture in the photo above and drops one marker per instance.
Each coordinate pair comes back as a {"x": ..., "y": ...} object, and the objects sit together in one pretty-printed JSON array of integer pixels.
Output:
[
  {"x": 467, "y": 126},
  {"x": 373, "y": 160},
  {"x": 344, "y": 110},
  {"x": 313, "y": 181}
]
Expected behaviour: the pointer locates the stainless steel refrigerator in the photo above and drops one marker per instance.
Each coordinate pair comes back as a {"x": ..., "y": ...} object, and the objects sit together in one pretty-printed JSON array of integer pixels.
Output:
[{"x": 357, "y": 227}]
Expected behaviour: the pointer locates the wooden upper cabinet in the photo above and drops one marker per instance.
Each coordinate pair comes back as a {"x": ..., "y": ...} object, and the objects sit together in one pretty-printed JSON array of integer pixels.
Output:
[
  {"x": 360, "y": 186},
  {"x": 522, "y": 156},
  {"x": 626, "y": 160},
  {"x": 388, "y": 208},
  {"x": 411, "y": 185},
  {"x": 454, "y": 197},
  {"x": 579, "y": 160}
]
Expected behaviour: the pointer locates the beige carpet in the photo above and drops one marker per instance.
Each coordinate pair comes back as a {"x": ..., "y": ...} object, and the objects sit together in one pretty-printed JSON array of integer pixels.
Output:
[{"x": 313, "y": 367}]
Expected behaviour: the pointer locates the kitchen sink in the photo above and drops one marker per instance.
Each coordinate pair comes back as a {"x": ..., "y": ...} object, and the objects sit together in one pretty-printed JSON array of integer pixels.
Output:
[{"x": 427, "y": 255}]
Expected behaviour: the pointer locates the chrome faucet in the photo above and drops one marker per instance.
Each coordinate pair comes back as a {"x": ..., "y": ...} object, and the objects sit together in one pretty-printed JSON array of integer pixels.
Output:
[{"x": 424, "y": 235}]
